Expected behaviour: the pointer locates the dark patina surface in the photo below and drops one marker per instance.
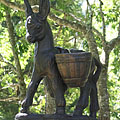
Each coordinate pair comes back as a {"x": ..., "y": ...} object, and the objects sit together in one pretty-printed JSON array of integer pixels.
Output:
[
  {"x": 24, "y": 116},
  {"x": 39, "y": 32}
]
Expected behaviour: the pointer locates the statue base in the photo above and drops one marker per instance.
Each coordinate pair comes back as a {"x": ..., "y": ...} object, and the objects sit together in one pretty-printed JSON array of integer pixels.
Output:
[{"x": 25, "y": 116}]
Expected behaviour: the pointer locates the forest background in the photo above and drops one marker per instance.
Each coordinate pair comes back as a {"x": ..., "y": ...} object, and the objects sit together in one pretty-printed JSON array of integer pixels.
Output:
[{"x": 90, "y": 25}]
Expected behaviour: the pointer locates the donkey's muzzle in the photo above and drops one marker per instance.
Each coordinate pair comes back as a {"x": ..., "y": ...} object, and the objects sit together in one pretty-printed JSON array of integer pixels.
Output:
[{"x": 30, "y": 39}]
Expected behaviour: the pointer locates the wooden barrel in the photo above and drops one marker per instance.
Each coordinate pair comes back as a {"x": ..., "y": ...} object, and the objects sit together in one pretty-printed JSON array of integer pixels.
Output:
[{"x": 74, "y": 68}]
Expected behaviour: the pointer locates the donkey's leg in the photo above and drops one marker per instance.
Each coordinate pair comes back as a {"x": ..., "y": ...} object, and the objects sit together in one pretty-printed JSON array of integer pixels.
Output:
[
  {"x": 58, "y": 88},
  {"x": 33, "y": 85},
  {"x": 94, "y": 106},
  {"x": 83, "y": 100}
]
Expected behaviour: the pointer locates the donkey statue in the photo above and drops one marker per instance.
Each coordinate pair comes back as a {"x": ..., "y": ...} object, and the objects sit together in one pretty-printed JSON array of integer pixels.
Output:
[{"x": 39, "y": 32}]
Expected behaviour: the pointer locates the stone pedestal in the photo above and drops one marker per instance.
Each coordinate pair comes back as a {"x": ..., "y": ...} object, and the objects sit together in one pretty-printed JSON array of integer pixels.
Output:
[{"x": 24, "y": 116}]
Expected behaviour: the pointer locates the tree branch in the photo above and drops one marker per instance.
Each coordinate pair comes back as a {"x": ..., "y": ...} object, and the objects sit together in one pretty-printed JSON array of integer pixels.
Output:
[
  {"x": 72, "y": 25},
  {"x": 67, "y": 40},
  {"x": 70, "y": 15},
  {"x": 15, "y": 54},
  {"x": 90, "y": 36},
  {"x": 91, "y": 14},
  {"x": 12, "y": 5},
  {"x": 2, "y": 59},
  {"x": 98, "y": 33},
  {"x": 103, "y": 25},
  {"x": 119, "y": 29},
  {"x": 11, "y": 99},
  {"x": 114, "y": 42},
  {"x": 58, "y": 33},
  {"x": 12, "y": 85}
]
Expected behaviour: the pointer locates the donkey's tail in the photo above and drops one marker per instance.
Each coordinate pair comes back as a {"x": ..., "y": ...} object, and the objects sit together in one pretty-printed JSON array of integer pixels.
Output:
[{"x": 98, "y": 70}]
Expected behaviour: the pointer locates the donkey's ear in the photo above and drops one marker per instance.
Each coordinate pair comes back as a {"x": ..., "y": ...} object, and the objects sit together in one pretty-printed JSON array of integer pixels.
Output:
[
  {"x": 44, "y": 8},
  {"x": 28, "y": 8}
]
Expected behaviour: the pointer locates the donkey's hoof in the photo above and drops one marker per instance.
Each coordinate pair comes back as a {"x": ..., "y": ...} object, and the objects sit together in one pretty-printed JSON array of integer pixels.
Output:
[
  {"x": 60, "y": 110},
  {"x": 93, "y": 114},
  {"x": 77, "y": 113}
]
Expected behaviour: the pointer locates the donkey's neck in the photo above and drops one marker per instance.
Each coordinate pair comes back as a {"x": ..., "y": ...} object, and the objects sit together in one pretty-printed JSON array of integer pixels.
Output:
[{"x": 47, "y": 43}]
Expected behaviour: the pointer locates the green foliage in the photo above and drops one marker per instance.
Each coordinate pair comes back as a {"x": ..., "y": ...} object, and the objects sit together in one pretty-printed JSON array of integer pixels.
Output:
[
  {"x": 39, "y": 100},
  {"x": 8, "y": 75},
  {"x": 8, "y": 110},
  {"x": 71, "y": 97},
  {"x": 114, "y": 83}
]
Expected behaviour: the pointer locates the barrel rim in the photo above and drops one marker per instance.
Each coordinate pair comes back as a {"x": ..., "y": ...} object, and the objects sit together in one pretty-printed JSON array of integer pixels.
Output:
[
  {"x": 60, "y": 54},
  {"x": 72, "y": 61}
]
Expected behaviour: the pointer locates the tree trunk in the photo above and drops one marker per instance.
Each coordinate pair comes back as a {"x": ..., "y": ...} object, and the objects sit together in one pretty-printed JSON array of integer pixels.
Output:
[
  {"x": 104, "y": 113},
  {"x": 50, "y": 106},
  {"x": 22, "y": 85}
]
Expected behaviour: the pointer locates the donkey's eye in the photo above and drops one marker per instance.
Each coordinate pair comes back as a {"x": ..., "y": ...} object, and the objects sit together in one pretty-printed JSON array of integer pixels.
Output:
[
  {"x": 29, "y": 21},
  {"x": 30, "y": 24},
  {"x": 38, "y": 26}
]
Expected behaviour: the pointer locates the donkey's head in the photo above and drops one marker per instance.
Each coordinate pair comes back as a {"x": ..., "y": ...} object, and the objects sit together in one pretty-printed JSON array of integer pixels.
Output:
[{"x": 36, "y": 22}]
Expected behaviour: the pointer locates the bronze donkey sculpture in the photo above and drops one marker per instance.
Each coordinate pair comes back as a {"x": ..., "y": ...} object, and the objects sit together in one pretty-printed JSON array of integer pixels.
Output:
[{"x": 39, "y": 32}]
